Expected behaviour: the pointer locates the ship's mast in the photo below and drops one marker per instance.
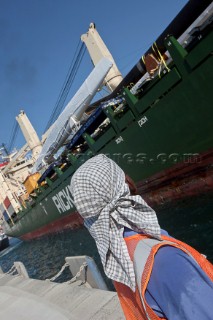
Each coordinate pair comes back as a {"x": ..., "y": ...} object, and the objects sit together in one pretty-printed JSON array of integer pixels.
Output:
[
  {"x": 30, "y": 134},
  {"x": 97, "y": 50}
]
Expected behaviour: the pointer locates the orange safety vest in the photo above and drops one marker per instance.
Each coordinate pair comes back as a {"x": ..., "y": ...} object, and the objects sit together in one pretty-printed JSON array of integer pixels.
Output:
[{"x": 134, "y": 304}]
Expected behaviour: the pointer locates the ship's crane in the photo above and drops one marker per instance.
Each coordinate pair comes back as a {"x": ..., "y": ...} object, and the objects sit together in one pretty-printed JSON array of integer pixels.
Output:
[
  {"x": 33, "y": 143},
  {"x": 97, "y": 50},
  {"x": 30, "y": 134},
  {"x": 69, "y": 120}
]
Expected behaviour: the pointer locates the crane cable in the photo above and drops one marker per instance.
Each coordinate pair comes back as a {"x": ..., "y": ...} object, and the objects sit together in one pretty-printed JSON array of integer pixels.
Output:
[
  {"x": 13, "y": 136},
  {"x": 79, "y": 53}
]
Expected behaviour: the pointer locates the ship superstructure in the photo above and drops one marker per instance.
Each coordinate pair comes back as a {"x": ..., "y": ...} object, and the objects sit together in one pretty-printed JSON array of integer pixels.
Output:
[{"x": 16, "y": 168}]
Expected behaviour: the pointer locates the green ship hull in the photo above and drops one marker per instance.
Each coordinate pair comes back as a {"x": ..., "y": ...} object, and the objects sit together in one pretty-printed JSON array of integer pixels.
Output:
[{"x": 162, "y": 139}]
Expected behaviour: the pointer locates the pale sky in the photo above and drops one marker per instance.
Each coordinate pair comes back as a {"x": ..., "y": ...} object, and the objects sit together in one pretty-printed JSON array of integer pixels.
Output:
[{"x": 39, "y": 39}]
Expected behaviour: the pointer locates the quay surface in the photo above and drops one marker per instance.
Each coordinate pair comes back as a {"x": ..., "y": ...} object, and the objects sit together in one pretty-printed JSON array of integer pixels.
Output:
[{"x": 23, "y": 298}]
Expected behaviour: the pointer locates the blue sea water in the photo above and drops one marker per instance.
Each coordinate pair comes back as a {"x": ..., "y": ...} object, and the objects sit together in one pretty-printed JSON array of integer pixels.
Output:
[{"x": 189, "y": 220}]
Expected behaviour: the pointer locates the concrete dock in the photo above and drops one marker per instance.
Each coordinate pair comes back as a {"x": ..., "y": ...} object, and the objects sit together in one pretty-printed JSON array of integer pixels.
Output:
[{"x": 22, "y": 298}]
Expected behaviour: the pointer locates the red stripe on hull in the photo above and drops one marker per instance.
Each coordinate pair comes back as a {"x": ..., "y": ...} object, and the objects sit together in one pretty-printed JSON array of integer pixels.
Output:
[
  {"x": 72, "y": 221},
  {"x": 181, "y": 181}
]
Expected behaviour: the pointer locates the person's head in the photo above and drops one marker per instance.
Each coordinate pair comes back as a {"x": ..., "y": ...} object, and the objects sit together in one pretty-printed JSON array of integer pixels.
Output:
[
  {"x": 102, "y": 197},
  {"x": 99, "y": 182}
]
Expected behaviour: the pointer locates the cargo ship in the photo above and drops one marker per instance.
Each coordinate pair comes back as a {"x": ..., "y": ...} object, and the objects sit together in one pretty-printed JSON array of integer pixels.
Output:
[{"x": 156, "y": 124}]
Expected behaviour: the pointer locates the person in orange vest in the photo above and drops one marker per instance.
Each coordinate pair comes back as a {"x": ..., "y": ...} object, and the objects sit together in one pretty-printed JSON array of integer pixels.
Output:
[{"x": 155, "y": 275}]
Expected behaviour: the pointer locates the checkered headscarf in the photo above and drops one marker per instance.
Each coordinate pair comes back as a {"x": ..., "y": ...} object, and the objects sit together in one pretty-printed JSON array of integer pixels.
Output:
[{"x": 103, "y": 199}]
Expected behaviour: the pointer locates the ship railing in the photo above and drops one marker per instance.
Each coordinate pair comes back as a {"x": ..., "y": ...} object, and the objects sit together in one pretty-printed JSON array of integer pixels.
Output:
[{"x": 186, "y": 39}]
